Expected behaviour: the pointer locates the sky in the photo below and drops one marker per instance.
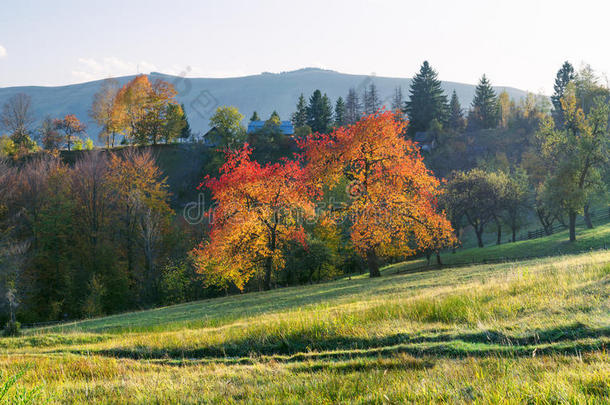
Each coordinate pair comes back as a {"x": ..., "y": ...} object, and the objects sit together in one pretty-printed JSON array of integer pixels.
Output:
[{"x": 515, "y": 43}]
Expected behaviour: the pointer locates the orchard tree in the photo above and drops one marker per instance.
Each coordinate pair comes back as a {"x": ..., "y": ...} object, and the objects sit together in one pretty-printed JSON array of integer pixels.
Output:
[
  {"x": 393, "y": 208},
  {"x": 577, "y": 154},
  {"x": 259, "y": 211},
  {"x": 71, "y": 127}
]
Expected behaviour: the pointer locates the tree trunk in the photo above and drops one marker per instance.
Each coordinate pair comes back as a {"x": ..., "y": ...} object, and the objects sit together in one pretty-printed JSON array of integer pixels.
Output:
[
  {"x": 514, "y": 234},
  {"x": 499, "y": 238},
  {"x": 588, "y": 220},
  {"x": 268, "y": 268},
  {"x": 371, "y": 258},
  {"x": 479, "y": 233},
  {"x": 438, "y": 259},
  {"x": 572, "y": 226}
]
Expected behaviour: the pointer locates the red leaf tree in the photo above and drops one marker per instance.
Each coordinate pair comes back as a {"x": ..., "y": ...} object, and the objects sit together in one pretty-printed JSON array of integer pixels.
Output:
[
  {"x": 259, "y": 209},
  {"x": 393, "y": 209}
]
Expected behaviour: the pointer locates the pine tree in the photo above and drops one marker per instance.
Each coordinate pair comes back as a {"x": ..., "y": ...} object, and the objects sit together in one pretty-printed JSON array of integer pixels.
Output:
[
  {"x": 564, "y": 76},
  {"x": 456, "y": 115},
  {"x": 274, "y": 119},
  {"x": 427, "y": 100},
  {"x": 299, "y": 118},
  {"x": 319, "y": 112},
  {"x": 484, "y": 111},
  {"x": 353, "y": 108},
  {"x": 340, "y": 113},
  {"x": 255, "y": 117},
  {"x": 371, "y": 99}
]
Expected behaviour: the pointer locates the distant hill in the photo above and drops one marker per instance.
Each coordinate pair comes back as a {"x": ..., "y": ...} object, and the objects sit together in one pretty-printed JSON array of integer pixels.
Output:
[{"x": 264, "y": 93}]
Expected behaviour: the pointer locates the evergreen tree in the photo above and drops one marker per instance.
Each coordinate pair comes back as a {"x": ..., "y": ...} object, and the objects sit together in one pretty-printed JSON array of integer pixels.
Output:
[
  {"x": 340, "y": 113},
  {"x": 372, "y": 103},
  {"x": 564, "y": 76},
  {"x": 255, "y": 117},
  {"x": 427, "y": 100},
  {"x": 274, "y": 119},
  {"x": 299, "y": 118},
  {"x": 397, "y": 100},
  {"x": 353, "y": 108},
  {"x": 456, "y": 115},
  {"x": 484, "y": 111},
  {"x": 186, "y": 132},
  {"x": 319, "y": 112}
]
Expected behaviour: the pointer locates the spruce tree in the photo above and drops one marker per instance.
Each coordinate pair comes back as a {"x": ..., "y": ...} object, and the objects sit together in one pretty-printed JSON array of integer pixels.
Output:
[
  {"x": 340, "y": 113},
  {"x": 299, "y": 117},
  {"x": 372, "y": 103},
  {"x": 427, "y": 100},
  {"x": 564, "y": 76},
  {"x": 319, "y": 112},
  {"x": 353, "y": 108},
  {"x": 255, "y": 117},
  {"x": 456, "y": 115},
  {"x": 397, "y": 100},
  {"x": 484, "y": 111}
]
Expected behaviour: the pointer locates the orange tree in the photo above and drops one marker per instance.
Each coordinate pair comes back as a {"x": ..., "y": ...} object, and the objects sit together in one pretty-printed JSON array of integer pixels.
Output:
[
  {"x": 393, "y": 210},
  {"x": 259, "y": 209}
]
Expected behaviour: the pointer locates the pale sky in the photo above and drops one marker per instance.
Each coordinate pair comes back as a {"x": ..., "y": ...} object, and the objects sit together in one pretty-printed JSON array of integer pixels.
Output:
[{"x": 516, "y": 43}]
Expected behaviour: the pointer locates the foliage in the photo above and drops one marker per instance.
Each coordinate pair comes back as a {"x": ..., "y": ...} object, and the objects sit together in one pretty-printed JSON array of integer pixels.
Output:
[
  {"x": 229, "y": 131},
  {"x": 393, "y": 208},
  {"x": 103, "y": 111},
  {"x": 257, "y": 213},
  {"x": 71, "y": 127}
]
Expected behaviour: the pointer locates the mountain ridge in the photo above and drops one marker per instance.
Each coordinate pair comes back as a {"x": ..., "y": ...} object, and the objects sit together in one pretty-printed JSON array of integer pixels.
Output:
[{"x": 264, "y": 93}]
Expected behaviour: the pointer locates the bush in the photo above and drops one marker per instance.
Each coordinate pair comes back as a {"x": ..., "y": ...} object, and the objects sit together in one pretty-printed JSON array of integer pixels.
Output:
[{"x": 12, "y": 328}]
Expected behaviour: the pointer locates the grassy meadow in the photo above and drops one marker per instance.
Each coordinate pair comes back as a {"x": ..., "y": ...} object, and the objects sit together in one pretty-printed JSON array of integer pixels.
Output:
[{"x": 535, "y": 331}]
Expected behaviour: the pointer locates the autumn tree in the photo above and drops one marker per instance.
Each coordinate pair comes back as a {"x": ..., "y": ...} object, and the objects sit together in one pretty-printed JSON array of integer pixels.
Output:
[
  {"x": 258, "y": 211},
  {"x": 50, "y": 137},
  {"x": 102, "y": 111},
  {"x": 71, "y": 127},
  {"x": 393, "y": 208}
]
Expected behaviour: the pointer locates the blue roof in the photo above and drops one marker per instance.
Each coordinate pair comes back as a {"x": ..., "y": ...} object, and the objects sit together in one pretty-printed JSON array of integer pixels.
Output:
[{"x": 285, "y": 126}]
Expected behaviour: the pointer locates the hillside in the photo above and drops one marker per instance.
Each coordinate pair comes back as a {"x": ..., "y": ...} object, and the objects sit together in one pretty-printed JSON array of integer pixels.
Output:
[
  {"x": 534, "y": 331},
  {"x": 264, "y": 93}
]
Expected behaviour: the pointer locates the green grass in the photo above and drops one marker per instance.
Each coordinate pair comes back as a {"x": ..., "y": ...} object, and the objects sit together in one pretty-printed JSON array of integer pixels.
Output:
[{"x": 535, "y": 331}]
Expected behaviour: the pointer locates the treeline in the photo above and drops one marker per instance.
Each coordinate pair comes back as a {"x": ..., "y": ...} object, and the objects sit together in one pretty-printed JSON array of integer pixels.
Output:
[
  {"x": 511, "y": 163},
  {"x": 89, "y": 239}
]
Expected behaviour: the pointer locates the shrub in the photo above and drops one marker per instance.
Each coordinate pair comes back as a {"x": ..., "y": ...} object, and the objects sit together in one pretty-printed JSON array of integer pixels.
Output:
[{"x": 12, "y": 328}]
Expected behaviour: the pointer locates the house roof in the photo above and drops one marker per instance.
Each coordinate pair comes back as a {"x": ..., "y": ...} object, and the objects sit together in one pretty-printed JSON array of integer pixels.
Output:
[{"x": 285, "y": 126}]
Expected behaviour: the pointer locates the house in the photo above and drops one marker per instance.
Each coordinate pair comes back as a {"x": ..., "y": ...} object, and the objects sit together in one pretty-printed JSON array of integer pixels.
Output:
[
  {"x": 285, "y": 126},
  {"x": 425, "y": 141}
]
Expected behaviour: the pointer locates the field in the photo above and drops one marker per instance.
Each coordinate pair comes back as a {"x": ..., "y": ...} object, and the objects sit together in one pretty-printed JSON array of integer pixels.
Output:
[{"x": 535, "y": 331}]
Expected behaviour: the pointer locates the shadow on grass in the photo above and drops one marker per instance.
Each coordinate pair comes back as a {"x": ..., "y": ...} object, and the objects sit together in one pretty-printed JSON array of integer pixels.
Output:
[{"x": 571, "y": 339}]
